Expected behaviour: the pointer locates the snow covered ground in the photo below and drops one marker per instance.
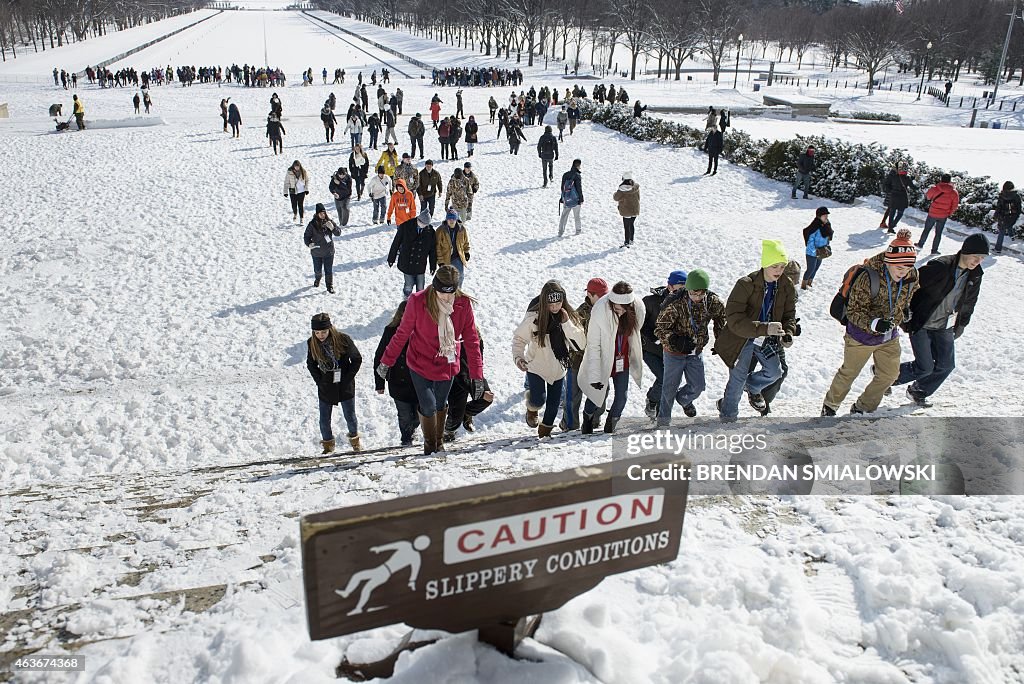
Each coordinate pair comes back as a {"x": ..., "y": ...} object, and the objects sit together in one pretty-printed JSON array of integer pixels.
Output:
[{"x": 158, "y": 300}]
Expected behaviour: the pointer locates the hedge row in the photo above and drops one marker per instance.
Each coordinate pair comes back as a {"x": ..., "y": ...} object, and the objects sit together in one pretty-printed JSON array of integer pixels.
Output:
[{"x": 843, "y": 171}]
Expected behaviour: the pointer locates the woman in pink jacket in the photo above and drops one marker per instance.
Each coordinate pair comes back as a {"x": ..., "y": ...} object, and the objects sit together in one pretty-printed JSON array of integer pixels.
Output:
[
  {"x": 435, "y": 110},
  {"x": 437, "y": 322}
]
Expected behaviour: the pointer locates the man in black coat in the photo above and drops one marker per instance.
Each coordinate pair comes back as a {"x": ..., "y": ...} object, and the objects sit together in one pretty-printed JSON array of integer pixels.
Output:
[
  {"x": 948, "y": 285},
  {"x": 653, "y": 358},
  {"x": 547, "y": 150},
  {"x": 400, "y": 386},
  {"x": 462, "y": 410},
  {"x": 713, "y": 145},
  {"x": 804, "y": 168},
  {"x": 414, "y": 245}
]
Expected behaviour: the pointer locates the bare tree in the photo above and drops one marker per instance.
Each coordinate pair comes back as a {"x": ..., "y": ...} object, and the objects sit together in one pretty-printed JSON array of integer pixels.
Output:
[
  {"x": 875, "y": 38},
  {"x": 634, "y": 20},
  {"x": 718, "y": 24}
]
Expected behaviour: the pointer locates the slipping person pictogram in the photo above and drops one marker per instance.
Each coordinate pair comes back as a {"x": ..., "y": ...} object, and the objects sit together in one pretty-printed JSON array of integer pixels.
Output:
[{"x": 406, "y": 555}]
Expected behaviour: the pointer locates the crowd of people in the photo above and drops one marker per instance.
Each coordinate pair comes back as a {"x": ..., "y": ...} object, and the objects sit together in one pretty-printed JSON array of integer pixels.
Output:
[{"x": 476, "y": 77}]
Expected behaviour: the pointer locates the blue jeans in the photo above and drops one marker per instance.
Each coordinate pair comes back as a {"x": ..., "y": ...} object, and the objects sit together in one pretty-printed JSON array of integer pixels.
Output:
[
  {"x": 934, "y": 360},
  {"x": 547, "y": 395},
  {"x": 373, "y": 138},
  {"x": 741, "y": 377},
  {"x": 813, "y": 263},
  {"x": 413, "y": 282},
  {"x": 380, "y": 208},
  {"x": 657, "y": 366},
  {"x": 620, "y": 383},
  {"x": 407, "y": 419},
  {"x": 677, "y": 367},
  {"x": 460, "y": 267},
  {"x": 1005, "y": 226},
  {"x": 323, "y": 265},
  {"x": 802, "y": 180},
  {"x": 355, "y": 138},
  {"x": 894, "y": 217},
  {"x": 431, "y": 395},
  {"x": 939, "y": 224},
  {"x": 348, "y": 408}
]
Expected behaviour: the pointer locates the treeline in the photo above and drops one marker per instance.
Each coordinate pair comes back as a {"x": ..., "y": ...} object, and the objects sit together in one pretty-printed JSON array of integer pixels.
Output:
[
  {"x": 966, "y": 36},
  {"x": 38, "y": 25}
]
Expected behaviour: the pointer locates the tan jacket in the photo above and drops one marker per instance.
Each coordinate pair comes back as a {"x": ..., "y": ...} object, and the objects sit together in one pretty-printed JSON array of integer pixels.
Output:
[
  {"x": 541, "y": 360},
  {"x": 444, "y": 243}
]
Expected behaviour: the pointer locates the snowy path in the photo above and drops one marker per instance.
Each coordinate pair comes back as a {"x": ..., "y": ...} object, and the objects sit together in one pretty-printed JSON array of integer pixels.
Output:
[{"x": 158, "y": 300}]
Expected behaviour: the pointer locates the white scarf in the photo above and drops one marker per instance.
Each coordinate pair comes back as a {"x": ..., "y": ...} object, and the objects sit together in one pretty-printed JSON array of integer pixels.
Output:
[{"x": 445, "y": 330}]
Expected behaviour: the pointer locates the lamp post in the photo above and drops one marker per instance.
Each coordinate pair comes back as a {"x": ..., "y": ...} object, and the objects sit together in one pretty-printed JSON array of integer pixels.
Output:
[
  {"x": 736, "y": 75},
  {"x": 956, "y": 69},
  {"x": 924, "y": 67}
]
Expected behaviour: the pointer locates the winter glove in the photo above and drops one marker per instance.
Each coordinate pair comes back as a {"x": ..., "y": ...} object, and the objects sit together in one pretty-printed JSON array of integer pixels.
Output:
[
  {"x": 476, "y": 389},
  {"x": 787, "y": 341},
  {"x": 312, "y": 245},
  {"x": 681, "y": 343},
  {"x": 521, "y": 365},
  {"x": 881, "y": 326},
  {"x": 796, "y": 333},
  {"x": 597, "y": 385},
  {"x": 467, "y": 256},
  {"x": 382, "y": 370},
  {"x": 958, "y": 331},
  {"x": 775, "y": 328},
  {"x": 391, "y": 264}
]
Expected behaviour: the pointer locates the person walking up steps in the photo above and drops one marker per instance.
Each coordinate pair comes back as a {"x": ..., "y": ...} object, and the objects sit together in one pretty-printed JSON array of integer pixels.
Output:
[
  {"x": 547, "y": 150},
  {"x": 275, "y": 129},
  {"x": 358, "y": 166},
  {"x": 573, "y": 399},
  {"x": 296, "y": 186},
  {"x": 944, "y": 201},
  {"x": 613, "y": 355},
  {"x": 571, "y": 198},
  {"x": 333, "y": 361},
  {"x": 461, "y": 410},
  {"x": 682, "y": 329},
  {"x": 438, "y": 321},
  {"x": 379, "y": 191},
  {"x": 318, "y": 238},
  {"x": 949, "y": 286},
  {"x": 399, "y": 383},
  {"x": 628, "y": 198},
  {"x": 541, "y": 346},
  {"x": 897, "y": 187},
  {"x": 653, "y": 357},
  {"x": 817, "y": 238},
  {"x": 877, "y": 304},
  {"x": 761, "y": 313}
]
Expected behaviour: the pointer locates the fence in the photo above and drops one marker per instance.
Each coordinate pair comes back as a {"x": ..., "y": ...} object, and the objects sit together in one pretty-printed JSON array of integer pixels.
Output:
[
  {"x": 966, "y": 101},
  {"x": 140, "y": 48}
]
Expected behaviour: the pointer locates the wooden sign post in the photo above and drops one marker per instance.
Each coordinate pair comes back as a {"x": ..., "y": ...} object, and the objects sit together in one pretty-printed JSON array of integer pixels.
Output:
[{"x": 487, "y": 556}]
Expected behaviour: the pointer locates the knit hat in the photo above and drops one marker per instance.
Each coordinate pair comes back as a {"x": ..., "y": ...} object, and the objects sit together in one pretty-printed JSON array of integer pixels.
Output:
[
  {"x": 820, "y": 211},
  {"x": 773, "y": 252},
  {"x": 597, "y": 286},
  {"x": 320, "y": 321},
  {"x": 452, "y": 215},
  {"x": 405, "y": 155},
  {"x": 423, "y": 219},
  {"x": 677, "y": 278},
  {"x": 698, "y": 279},
  {"x": 626, "y": 175},
  {"x": 976, "y": 243},
  {"x": 901, "y": 251},
  {"x": 319, "y": 208}
]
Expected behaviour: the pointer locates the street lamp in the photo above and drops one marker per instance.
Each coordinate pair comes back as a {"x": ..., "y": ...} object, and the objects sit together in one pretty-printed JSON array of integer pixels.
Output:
[
  {"x": 736, "y": 75},
  {"x": 924, "y": 68}
]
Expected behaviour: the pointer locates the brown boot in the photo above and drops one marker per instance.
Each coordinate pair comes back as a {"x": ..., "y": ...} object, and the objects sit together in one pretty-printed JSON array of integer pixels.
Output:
[
  {"x": 439, "y": 419},
  {"x": 328, "y": 445},
  {"x": 354, "y": 441},
  {"x": 427, "y": 425},
  {"x": 810, "y": 283},
  {"x": 803, "y": 284},
  {"x": 544, "y": 430}
]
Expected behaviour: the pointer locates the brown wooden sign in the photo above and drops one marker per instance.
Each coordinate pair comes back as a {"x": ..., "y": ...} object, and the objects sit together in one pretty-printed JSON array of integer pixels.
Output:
[{"x": 486, "y": 554}]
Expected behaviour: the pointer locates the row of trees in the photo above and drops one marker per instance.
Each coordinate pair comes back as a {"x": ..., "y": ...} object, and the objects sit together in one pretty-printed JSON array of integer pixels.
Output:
[
  {"x": 874, "y": 37},
  {"x": 36, "y": 25}
]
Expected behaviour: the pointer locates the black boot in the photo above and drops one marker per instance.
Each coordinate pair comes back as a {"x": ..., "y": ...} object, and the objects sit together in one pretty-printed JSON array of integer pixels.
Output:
[
  {"x": 587, "y": 427},
  {"x": 610, "y": 423},
  {"x": 316, "y": 282},
  {"x": 330, "y": 285}
]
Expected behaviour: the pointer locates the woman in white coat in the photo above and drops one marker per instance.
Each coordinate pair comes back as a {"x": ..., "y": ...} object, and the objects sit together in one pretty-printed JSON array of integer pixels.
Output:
[
  {"x": 614, "y": 354},
  {"x": 541, "y": 348}
]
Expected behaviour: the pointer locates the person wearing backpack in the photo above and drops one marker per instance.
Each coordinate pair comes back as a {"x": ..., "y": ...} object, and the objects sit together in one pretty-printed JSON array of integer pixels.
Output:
[
  {"x": 547, "y": 150},
  {"x": 761, "y": 317},
  {"x": 653, "y": 356},
  {"x": 1008, "y": 210},
  {"x": 416, "y": 133},
  {"x": 877, "y": 301},
  {"x": 443, "y": 135},
  {"x": 949, "y": 286},
  {"x": 897, "y": 186},
  {"x": 682, "y": 329},
  {"x": 817, "y": 236},
  {"x": 943, "y": 202},
  {"x": 572, "y": 197}
]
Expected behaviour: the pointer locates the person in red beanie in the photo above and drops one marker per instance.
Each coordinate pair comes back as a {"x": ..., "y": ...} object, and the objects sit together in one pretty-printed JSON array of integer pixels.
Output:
[
  {"x": 572, "y": 398},
  {"x": 878, "y": 303}
]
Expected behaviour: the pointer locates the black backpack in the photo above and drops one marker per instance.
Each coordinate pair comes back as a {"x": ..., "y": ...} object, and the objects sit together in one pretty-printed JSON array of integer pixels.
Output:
[{"x": 839, "y": 303}]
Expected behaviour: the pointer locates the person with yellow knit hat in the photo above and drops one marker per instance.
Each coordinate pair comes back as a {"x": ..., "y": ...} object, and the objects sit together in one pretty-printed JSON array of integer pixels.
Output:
[
  {"x": 877, "y": 304},
  {"x": 760, "y": 319}
]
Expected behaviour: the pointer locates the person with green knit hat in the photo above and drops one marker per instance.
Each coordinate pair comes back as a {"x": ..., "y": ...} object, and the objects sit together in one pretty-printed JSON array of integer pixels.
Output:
[
  {"x": 760, "y": 314},
  {"x": 682, "y": 328}
]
